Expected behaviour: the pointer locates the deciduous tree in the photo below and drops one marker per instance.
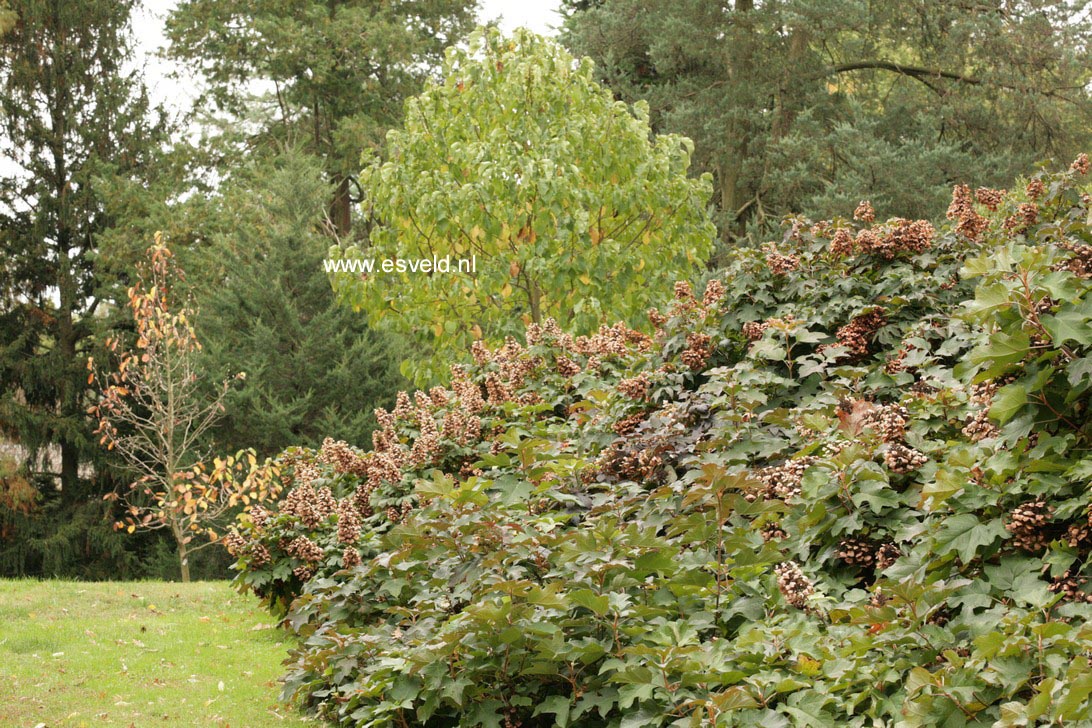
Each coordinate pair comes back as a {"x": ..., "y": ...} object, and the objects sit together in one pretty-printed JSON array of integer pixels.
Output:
[
  {"x": 520, "y": 160},
  {"x": 154, "y": 409},
  {"x": 339, "y": 70}
]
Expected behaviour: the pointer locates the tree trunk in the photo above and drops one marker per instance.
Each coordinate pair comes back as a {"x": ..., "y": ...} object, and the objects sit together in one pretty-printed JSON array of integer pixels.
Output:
[
  {"x": 739, "y": 71},
  {"x": 534, "y": 297},
  {"x": 184, "y": 562},
  {"x": 70, "y": 469},
  {"x": 183, "y": 550},
  {"x": 68, "y": 389},
  {"x": 341, "y": 209}
]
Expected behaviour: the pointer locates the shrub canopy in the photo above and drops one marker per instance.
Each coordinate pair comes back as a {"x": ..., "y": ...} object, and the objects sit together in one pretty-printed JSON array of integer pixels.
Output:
[{"x": 846, "y": 486}]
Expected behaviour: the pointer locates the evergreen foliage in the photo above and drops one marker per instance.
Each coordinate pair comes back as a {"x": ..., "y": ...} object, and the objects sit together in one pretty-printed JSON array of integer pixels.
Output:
[
  {"x": 69, "y": 109},
  {"x": 313, "y": 368},
  {"x": 807, "y": 106}
]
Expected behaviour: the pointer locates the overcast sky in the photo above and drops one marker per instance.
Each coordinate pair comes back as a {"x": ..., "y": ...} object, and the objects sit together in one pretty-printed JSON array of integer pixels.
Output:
[{"x": 539, "y": 15}]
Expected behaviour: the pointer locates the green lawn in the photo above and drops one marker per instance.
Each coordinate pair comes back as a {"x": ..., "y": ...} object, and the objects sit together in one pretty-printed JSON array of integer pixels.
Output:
[{"x": 137, "y": 653}]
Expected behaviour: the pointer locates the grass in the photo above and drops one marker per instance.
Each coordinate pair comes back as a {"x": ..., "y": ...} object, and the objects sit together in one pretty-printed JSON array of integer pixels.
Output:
[{"x": 138, "y": 654}]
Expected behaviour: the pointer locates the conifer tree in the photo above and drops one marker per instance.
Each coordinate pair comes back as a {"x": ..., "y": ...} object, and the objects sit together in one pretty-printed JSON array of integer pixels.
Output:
[
  {"x": 808, "y": 106},
  {"x": 314, "y": 368},
  {"x": 69, "y": 108}
]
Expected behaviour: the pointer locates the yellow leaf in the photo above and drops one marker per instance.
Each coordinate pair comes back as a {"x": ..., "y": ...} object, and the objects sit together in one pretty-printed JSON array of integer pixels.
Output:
[
  {"x": 585, "y": 279},
  {"x": 506, "y": 291}
]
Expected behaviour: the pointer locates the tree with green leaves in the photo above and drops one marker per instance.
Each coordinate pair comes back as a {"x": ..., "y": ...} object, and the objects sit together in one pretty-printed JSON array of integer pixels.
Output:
[
  {"x": 519, "y": 161},
  {"x": 314, "y": 368},
  {"x": 811, "y": 105},
  {"x": 338, "y": 71},
  {"x": 69, "y": 109}
]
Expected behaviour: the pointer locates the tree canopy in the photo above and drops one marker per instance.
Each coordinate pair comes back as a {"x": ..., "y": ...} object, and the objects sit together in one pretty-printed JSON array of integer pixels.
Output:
[
  {"x": 520, "y": 160},
  {"x": 314, "y": 368},
  {"x": 70, "y": 111},
  {"x": 336, "y": 72},
  {"x": 807, "y": 106}
]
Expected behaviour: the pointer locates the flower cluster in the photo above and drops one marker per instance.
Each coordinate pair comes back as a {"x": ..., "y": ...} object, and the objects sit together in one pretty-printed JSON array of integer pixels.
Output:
[
  {"x": 1035, "y": 189},
  {"x": 864, "y": 212},
  {"x": 753, "y": 330},
  {"x": 794, "y": 586},
  {"x": 566, "y": 367},
  {"x": 1029, "y": 523},
  {"x": 304, "y": 549},
  {"x": 1027, "y": 214},
  {"x": 902, "y": 459},
  {"x": 628, "y": 424},
  {"x": 348, "y": 523},
  {"x": 1071, "y": 586},
  {"x": 858, "y": 551},
  {"x": 698, "y": 350},
  {"x": 896, "y": 364},
  {"x": 309, "y": 504},
  {"x": 887, "y": 241},
  {"x": 856, "y": 336},
  {"x": 890, "y": 421},
  {"x": 714, "y": 292},
  {"x": 991, "y": 198},
  {"x": 635, "y": 387},
  {"x": 842, "y": 244},
  {"x": 1080, "y": 264},
  {"x": 780, "y": 264},
  {"x": 460, "y": 426},
  {"x": 897, "y": 236},
  {"x": 1080, "y": 164},
  {"x": 783, "y": 481},
  {"x": 977, "y": 426},
  {"x": 342, "y": 457},
  {"x": 961, "y": 211}
]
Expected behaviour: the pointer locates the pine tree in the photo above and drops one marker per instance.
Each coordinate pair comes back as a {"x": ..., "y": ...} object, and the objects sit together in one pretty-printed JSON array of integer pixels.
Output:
[{"x": 807, "y": 106}]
